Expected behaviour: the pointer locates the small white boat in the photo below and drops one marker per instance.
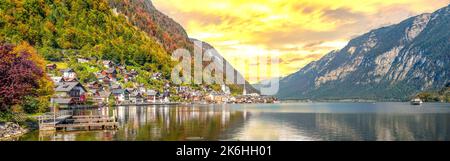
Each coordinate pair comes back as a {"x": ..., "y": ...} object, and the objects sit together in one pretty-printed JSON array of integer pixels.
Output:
[{"x": 416, "y": 101}]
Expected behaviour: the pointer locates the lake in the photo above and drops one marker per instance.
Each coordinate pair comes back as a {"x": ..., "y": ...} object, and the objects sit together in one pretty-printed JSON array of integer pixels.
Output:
[{"x": 271, "y": 122}]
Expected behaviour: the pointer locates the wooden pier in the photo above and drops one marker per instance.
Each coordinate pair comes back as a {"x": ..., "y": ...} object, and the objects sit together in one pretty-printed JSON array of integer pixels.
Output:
[{"x": 70, "y": 122}]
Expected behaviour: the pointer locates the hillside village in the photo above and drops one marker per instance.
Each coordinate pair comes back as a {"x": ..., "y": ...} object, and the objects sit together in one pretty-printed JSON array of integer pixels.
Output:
[{"x": 116, "y": 85}]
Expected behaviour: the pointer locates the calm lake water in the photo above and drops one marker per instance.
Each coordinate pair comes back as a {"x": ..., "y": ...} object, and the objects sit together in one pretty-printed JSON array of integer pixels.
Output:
[{"x": 276, "y": 122}]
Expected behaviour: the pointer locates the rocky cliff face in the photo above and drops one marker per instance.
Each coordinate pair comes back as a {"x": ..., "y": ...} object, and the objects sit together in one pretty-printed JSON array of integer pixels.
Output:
[{"x": 393, "y": 62}]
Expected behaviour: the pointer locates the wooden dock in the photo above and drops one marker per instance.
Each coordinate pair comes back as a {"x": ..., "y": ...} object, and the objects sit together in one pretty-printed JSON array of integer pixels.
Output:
[{"x": 70, "y": 122}]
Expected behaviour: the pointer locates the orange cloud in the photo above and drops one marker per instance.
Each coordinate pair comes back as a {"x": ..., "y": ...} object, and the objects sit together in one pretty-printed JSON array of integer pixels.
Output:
[{"x": 296, "y": 31}]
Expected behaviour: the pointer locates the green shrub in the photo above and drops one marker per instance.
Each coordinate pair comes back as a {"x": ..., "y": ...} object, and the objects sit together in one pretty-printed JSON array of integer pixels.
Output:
[{"x": 30, "y": 105}]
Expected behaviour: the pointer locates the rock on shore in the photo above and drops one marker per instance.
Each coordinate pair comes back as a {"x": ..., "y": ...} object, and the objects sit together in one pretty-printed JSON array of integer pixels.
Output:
[{"x": 11, "y": 130}]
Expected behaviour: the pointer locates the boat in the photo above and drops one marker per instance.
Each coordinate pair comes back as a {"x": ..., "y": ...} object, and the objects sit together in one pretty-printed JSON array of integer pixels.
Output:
[{"x": 416, "y": 101}]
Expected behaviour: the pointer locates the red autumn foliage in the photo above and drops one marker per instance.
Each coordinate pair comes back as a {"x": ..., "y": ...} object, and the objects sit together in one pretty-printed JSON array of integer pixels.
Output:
[{"x": 19, "y": 76}]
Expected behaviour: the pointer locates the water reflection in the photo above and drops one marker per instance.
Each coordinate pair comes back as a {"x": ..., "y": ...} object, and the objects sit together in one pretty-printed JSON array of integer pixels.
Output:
[
  {"x": 348, "y": 127},
  {"x": 302, "y": 122},
  {"x": 167, "y": 123}
]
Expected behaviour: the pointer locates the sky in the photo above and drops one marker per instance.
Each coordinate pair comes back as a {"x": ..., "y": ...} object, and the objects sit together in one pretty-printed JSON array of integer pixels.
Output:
[{"x": 294, "y": 32}]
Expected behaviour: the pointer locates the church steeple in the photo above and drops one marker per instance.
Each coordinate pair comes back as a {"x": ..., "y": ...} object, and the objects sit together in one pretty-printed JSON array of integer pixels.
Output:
[{"x": 244, "y": 92}]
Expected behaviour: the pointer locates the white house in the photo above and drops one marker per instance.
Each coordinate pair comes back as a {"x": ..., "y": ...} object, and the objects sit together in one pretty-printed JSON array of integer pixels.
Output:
[
  {"x": 108, "y": 64},
  {"x": 69, "y": 74},
  {"x": 57, "y": 80},
  {"x": 82, "y": 60},
  {"x": 121, "y": 95},
  {"x": 72, "y": 90}
]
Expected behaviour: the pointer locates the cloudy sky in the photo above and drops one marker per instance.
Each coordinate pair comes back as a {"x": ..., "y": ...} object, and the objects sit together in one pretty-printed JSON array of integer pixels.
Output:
[{"x": 295, "y": 31}]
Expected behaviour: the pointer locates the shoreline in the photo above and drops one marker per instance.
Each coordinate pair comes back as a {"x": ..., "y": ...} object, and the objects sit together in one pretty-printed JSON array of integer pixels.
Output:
[{"x": 10, "y": 131}]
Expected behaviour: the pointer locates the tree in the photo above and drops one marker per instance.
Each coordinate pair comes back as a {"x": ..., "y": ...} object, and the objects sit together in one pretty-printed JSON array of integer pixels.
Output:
[
  {"x": 112, "y": 101},
  {"x": 30, "y": 104},
  {"x": 50, "y": 54},
  {"x": 21, "y": 75}
]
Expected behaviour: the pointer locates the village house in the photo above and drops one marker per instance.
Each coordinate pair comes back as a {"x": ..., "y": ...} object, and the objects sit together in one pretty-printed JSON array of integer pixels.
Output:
[
  {"x": 151, "y": 96},
  {"x": 182, "y": 89},
  {"x": 121, "y": 69},
  {"x": 126, "y": 77},
  {"x": 133, "y": 73},
  {"x": 82, "y": 60},
  {"x": 232, "y": 99},
  {"x": 225, "y": 89},
  {"x": 165, "y": 97},
  {"x": 95, "y": 85},
  {"x": 63, "y": 102},
  {"x": 69, "y": 75},
  {"x": 51, "y": 67},
  {"x": 101, "y": 97},
  {"x": 157, "y": 76},
  {"x": 111, "y": 73},
  {"x": 73, "y": 90},
  {"x": 108, "y": 64},
  {"x": 129, "y": 76},
  {"x": 196, "y": 96},
  {"x": 104, "y": 80},
  {"x": 121, "y": 95},
  {"x": 215, "y": 97},
  {"x": 141, "y": 89},
  {"x": 136, "y": 98},
  {"x": 116, "y": 86},
  {"x": 131, "y": 90},
  {"x": 57, "y": 80}
]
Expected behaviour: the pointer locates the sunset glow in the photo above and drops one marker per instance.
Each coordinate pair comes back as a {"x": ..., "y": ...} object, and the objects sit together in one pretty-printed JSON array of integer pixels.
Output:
[{"x": 296, "y": 31}]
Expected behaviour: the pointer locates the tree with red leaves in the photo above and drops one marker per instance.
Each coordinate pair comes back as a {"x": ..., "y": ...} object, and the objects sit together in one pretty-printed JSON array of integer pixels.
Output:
[{"x": 19, "y": 76}]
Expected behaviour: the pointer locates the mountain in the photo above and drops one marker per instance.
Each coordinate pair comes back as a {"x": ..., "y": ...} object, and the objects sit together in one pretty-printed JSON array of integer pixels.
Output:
[
  {"x": 143, "y": 14},
  {"x": 265, "y": 83},
  {"x": 130, "y": 32},
  {"x": 237, "y": 76},
  {"x": 442, "y": 95},
  {"x": 169, "y": 33},
  {"x": 390, "y": 63},
  {"x": 66, "y": 29}
]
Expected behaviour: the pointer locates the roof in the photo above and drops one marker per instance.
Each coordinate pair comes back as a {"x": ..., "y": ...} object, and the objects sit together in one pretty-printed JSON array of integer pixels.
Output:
[
  {"x": 135, "y": 94},
  {"x": 57, "y": 79},
  {"x": 104, "y": 94},
  {"x": 151, "y": 93},
  {"x": 119, "y": 91},
  {"x": 63, "y": 100},
  {"x": 196, "y": 93},
  {"x": 67, "y": 70},
  {"x": 110, "y": 70},
  {"x": 94, "y": 82},
  {"x": 67, "y": 86},
  {"x": 116, "y": 86}
]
